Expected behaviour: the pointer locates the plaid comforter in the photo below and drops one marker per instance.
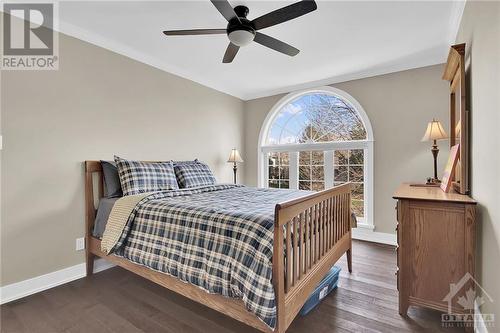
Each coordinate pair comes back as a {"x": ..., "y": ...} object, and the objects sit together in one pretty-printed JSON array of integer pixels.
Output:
[{"x": 218, "y": 237}]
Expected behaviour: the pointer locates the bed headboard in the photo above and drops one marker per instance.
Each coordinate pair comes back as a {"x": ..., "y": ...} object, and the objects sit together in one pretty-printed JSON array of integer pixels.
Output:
[{"x": 91, "y": 168}]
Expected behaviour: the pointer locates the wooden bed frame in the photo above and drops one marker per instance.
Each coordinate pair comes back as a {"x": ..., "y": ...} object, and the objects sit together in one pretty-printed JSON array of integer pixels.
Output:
[{"x": 324, "y": 216}]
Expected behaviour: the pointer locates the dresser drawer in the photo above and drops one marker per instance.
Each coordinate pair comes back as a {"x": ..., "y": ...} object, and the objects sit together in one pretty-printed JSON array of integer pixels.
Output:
[
  {"x": 398, "y": 218},
  {"x": 397, "y": 255},
  {"x": 397, "y": 233},
  {"x": 397, "y": 278}
]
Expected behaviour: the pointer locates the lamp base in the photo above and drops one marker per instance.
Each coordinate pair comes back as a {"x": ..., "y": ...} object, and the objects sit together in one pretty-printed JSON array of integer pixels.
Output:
[
  {"x": 431, "y": 181},
  {"x": 424, "y": 185},
  {"x": 235, "y": 168},
  {"x": 435, "y": 152}
]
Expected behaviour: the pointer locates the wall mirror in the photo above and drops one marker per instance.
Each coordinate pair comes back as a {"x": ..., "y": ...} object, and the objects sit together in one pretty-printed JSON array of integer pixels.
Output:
[{"x": 459, "y": 117}]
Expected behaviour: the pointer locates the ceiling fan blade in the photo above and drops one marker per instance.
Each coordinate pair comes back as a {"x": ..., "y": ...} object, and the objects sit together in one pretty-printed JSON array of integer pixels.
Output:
[
  {"x": 225, "y": 8},
  {"x": 194, "y": 32},
  {"x": 275, "y": 44},
  {"x": 230, "y": 53},
  {"x": 284, "y": 14}
]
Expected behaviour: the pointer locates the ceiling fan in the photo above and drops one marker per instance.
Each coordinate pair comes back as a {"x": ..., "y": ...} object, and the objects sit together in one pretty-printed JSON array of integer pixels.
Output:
[{"x": 242, "y": 31}]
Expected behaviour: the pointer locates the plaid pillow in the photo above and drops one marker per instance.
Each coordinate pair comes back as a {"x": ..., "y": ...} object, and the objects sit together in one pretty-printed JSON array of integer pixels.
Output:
[
  {"x": 193, "y": 174},
  {"x": 140, "y": 177}
]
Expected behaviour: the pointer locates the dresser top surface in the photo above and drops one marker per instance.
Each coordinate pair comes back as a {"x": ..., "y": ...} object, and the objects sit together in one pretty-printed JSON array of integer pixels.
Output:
[{"x": 405, "y": 191}]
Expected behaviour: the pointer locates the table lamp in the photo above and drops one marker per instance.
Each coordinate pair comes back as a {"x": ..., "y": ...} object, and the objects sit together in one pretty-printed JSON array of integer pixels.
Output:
[
  {"x": 434, "y": 132},
  {"x": 234, "y": 158}
]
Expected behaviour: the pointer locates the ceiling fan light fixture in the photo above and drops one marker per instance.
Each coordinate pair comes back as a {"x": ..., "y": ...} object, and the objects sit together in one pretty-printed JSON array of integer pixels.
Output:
[
  {"x": 241, "y": 31},
  {"x": 241, "y": 37}
]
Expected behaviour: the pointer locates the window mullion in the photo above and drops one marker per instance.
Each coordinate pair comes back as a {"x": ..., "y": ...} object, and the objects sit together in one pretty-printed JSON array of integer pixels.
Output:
[
  {"x": 266, "y": 169},
  {"x": 368, "y": 184},
  {"x": 294, "y": 169},
  {"x": 328, "y": 168}
]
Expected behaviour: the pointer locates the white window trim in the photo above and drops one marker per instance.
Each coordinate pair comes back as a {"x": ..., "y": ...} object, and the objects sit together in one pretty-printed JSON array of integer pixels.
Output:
[{"x": 366, "y": 145}]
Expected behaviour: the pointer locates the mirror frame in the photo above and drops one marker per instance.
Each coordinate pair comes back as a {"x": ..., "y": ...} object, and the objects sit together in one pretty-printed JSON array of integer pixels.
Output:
[{"x": 454, "y": 72}]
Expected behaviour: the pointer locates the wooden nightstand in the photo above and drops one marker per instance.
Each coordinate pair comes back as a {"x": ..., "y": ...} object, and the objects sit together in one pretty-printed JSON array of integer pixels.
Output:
[{"x": 436, "y": 247}]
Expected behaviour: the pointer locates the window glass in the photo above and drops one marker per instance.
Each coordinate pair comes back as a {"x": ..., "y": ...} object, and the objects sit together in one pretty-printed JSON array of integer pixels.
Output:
[
  {"x": 279, "y": 170},
  {"x": 311, "y": 170},
  {"x": 348, "y": 166},
  {"x": 316, "y": 118}
]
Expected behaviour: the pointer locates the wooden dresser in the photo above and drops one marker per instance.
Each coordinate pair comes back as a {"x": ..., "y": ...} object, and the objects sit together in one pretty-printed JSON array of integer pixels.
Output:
[{"x": 436, "y": 247}]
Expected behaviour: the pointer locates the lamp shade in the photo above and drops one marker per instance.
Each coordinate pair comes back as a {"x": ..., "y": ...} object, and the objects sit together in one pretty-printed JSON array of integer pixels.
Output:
[
  {"x": 234, "y": 157},
  {"x": 435, "y": 131}
]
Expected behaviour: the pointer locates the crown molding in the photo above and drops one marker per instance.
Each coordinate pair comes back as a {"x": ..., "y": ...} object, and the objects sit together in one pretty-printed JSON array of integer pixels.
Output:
[
  {"x": 134, "y": 54},
  {"x": 396, "y": 66},
  {"x": 382, "y": 70},
  {"x": 126, "y": 51}
]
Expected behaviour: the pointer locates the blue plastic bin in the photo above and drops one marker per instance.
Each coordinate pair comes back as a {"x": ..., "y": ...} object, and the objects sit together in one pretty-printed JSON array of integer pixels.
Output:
[{"x": 326, "y": 286}]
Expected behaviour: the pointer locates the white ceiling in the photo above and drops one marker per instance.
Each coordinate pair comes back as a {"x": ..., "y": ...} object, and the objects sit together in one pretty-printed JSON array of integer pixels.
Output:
[{"x": 341, "y": 40}]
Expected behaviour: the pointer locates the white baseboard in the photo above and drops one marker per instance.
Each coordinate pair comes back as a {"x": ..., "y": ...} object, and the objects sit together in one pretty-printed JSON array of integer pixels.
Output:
[
  {"x": 479, "y": 324},
  {"x": 367, "y": 234},
  {"x": 40, "y": 283}
]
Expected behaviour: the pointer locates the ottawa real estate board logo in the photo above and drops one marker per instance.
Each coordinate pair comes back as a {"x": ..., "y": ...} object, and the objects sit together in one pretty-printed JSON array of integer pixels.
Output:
[
  {"x": 29, "y": 41},
  {"x": 463, "y": 303}
]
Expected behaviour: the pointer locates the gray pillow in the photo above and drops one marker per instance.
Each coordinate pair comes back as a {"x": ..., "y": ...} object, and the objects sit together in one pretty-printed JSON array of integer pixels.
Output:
[
  {"x": 103, "y": 212},
  {"x": 111, "y": 180}
]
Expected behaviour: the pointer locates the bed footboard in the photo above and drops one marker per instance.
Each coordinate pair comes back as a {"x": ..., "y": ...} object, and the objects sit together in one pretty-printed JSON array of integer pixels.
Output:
[
  {"x": 321, "y": 222},
  {"x": 310, "y": 235}
]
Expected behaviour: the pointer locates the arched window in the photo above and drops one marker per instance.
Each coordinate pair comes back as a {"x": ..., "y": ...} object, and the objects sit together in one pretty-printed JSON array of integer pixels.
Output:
[{"x": 317, "y": 139}]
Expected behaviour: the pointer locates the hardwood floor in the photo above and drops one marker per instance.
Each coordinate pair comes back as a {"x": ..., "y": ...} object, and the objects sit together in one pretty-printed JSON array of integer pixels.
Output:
[{"x": 118, "y": 301}]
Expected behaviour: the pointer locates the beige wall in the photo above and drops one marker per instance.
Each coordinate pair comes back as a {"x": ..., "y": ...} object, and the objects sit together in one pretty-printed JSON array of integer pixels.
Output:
[
  {"x": 100, "y": 103},
  {"x": 399, "y": 106},
  {"x": 480, "y": 29},
  {"x": 97, "y": 104}
]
